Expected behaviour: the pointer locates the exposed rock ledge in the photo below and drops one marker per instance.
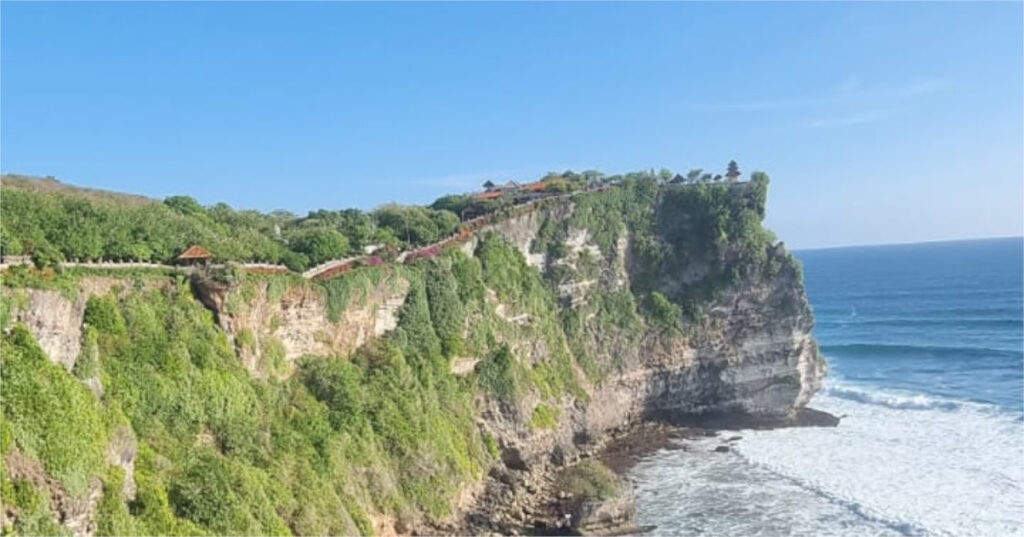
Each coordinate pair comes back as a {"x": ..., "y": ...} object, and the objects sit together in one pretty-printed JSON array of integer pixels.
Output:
[{"x": 529, "y": 501}]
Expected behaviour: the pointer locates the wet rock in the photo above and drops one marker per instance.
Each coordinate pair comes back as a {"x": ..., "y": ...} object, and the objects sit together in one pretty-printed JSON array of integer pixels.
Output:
[
  {"x": 604, "y": 516},
  {"x": 809, "y": 417},
  {"x": 721, "y": 449}
]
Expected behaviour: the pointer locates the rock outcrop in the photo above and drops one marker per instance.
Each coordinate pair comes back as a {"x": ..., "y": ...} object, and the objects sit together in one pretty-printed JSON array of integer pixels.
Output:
[
  {"x": 55, "y": 321},
  {"x": 595, "y": 517},
  {"x": 296, "y": 324}
]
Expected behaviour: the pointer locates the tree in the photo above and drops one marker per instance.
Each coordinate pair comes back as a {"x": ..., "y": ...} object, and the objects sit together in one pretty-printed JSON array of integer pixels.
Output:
[
  {"x": 185, "y": 205},
  {"x": 693, "y": 175},
  {"x": 9, "y": 243},
  {"x": 489, "y": 185},
  {"x": 759, "y": 177},
  {"x": 320, "y": 244},
  {"x": 454, "y": 203},
  {"x": 734, "y": 171}
]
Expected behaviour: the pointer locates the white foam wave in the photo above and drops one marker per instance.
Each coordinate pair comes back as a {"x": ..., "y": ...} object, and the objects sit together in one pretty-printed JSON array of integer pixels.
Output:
[
  {"x": 699, "y": 492},
  {"x": 919, "y": 465},
  {"x": 899, "y": 400}
]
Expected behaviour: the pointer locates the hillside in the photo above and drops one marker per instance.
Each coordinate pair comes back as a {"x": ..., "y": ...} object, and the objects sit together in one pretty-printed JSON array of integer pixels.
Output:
[
  {"x": 435, "y": 395},
  {"x": 110, "y": 226}
]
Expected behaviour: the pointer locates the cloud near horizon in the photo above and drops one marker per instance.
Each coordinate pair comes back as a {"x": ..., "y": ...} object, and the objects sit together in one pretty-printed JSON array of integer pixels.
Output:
[
  {"x": 872, "y": 116},
  {"x": 851, "y": 104}
]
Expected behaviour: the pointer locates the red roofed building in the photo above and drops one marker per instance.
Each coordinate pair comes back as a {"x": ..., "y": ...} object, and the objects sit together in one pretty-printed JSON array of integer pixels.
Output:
[{"x": 195, "y": 255}]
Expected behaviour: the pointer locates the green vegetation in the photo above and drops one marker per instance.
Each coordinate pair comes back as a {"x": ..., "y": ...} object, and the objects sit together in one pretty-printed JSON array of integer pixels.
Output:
[
  {"x": 662, "y": 312},
  {"x": 387, "y": 431},
  {"x": 506, "y": 272},
  {"x": 34, "y": 507},
  {"x": 717, "y": 226},
  {"x": 714, "y": 225},
  {"x": 353, "y": 288},
  {"x": 37, "y": 218},
  {"x": 52, "y": 416},
  {"x": 320, "y": 244},
  {"x": 497, "y": 375},
  {"x": 342, "y": 440},
  {"x": 590, "y": 479},
  {"x": 544, "y": 417}
]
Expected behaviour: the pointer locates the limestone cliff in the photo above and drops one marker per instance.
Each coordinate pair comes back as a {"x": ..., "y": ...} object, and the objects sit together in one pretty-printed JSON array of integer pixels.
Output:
[
  {"x": 273, "y": 324},
  {"x": 748, "y": 356},
  {"x": 465, "y": 378}
]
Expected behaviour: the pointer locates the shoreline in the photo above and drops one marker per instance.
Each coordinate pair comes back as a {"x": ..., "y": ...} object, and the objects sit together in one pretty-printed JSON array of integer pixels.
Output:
[{"x": 528, "y": 502}]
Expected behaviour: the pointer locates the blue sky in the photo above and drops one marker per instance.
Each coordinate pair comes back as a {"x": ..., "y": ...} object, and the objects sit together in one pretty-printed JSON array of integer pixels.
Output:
[{"x": 877, "y": 122}]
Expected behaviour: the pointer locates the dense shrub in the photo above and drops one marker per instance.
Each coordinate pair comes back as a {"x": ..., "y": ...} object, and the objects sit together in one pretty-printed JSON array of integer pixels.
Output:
[
  {"x": 590, "y": 479},
  {"x": 52, "y": 416},
  {"x": 663, "y": 312},
  {"x": 320, "y": 244},
  {"x": 544, "y": 417},
  {"x": 497, "y": 374}
]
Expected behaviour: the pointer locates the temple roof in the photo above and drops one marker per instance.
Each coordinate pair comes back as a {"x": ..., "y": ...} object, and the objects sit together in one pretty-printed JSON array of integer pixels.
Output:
[{"x": 195, "y": 252}]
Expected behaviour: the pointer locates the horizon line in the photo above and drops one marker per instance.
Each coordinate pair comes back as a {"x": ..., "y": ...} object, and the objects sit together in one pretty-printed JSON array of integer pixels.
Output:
[{"x": 910, "y": 243}]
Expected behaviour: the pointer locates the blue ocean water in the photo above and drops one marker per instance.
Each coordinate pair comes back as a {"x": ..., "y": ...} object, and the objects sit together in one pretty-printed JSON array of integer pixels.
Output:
[
  {"x": 940, "y": 319},
  {"x": 926, "y": 355}
]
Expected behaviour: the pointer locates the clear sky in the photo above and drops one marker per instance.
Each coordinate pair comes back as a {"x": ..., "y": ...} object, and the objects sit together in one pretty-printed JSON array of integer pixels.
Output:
[{"x": 877, "y": 122}]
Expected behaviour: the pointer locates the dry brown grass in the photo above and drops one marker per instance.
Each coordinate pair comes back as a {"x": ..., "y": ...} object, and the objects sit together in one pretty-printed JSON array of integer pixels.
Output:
[{"x": 50, "y": 185}]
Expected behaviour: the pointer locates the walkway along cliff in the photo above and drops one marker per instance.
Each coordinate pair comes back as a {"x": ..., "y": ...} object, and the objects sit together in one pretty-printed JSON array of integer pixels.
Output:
[{"x": 428, "y": 394}]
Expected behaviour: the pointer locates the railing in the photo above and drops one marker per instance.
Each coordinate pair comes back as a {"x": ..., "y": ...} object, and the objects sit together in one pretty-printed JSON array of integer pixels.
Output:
[
  {"x": 328, "y": 265},
  {"x": 12, "y": 260}
]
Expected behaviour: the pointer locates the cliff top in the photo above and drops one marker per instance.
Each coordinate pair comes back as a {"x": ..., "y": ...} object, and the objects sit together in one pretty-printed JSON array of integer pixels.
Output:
[{"x": 39, "y": 212}]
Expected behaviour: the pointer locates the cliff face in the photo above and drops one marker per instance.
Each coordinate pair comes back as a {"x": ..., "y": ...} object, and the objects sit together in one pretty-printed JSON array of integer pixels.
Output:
[
  {"x": 750, "y": 353},
  {"x": 273, "y": 325},
  {"x": 390, "y": 394}
]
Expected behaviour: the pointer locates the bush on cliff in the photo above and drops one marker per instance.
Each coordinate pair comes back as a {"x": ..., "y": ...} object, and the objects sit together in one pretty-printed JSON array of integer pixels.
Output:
[
  {"x": 588, "y": 480},
  {"x": 52, "y": 417}
]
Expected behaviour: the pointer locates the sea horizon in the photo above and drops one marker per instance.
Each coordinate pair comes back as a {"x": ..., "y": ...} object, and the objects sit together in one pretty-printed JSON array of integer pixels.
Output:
[{"x": 913, "y": 243}]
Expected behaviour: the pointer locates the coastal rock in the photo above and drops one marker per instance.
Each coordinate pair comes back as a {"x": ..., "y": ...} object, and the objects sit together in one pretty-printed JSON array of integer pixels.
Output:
[
  {"x": 809, "y": 417},
  {"x": 594, "y": 517}
]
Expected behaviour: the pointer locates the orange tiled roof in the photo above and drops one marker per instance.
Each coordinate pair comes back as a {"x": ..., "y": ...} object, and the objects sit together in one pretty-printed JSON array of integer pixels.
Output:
[{"x": 195, "y": 252}]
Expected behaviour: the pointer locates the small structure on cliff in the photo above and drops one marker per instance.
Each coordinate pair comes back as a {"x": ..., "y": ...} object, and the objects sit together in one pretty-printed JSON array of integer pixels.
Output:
[
  {"x": 733, "y": 173},
  {"x": 195, "y": 255}
]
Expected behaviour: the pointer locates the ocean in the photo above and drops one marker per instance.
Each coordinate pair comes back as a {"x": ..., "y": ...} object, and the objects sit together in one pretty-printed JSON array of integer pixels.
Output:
[{"x": 924, "y": 344}]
